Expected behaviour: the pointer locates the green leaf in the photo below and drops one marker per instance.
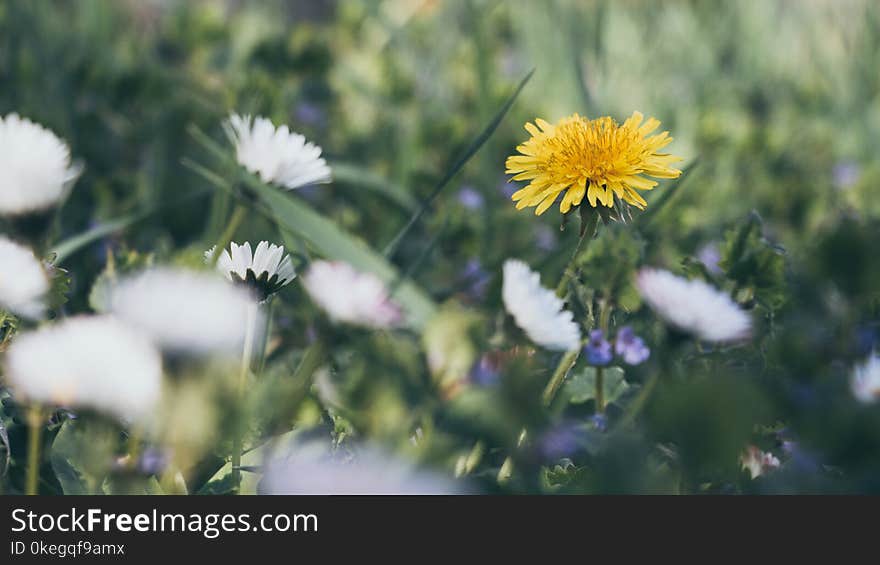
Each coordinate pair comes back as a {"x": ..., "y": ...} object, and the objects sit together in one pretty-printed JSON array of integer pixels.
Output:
[
  {"x": 221, "y": 481},
  {"x": 59, "y": 287},
  {"x": 754, "y": 263},
  {"x": 65, "y": 459},
  {"x": 82, "y": 454},
  {"x": 581, "y": 385},
  {"x": 74, "y": 243},
  {"x": 609, "y": 261},
  {"x": 564, "y": 474}
]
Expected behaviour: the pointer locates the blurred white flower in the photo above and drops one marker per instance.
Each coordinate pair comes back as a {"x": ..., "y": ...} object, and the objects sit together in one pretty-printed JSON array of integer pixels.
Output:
[
  {"x": 758, "y": 462},
  {"x": 23, "y": 280},
  {"x": 312, "y": 469},
  {"x": 693, "y": 306},
  {"x": 278, "y": 155},
  {"x": 349, "y": 296},
  {"x": 264, "y": 271},
  {"x": 184, "y": 311},
  {"x": 537, "y": 310},
  {"x": 35, "y": 165},
  {"x": 87, "y": 362},
  {"x": 865, "y": 380}
]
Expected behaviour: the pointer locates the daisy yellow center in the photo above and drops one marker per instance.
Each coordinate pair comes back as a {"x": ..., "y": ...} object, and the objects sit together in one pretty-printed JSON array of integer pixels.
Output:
[{"x": 597, "y": 158}]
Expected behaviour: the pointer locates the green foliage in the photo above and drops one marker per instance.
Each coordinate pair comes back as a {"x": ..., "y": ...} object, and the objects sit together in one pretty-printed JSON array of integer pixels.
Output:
[
  {"x": 609, "y": 261},
  {"x": 581, "y": 385},
  {"x": 756, "y": 266},
  {"x": 416, "y": 109}
]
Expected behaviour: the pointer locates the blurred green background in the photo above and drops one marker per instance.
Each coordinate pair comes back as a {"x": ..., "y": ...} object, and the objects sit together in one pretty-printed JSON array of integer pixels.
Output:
[
  {"x": 777, "y": 103},
  {"x": 777, "y": 99}
]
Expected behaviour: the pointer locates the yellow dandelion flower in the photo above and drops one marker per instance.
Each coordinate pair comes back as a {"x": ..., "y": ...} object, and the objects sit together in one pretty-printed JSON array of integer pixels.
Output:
[{"x": 597, "y": 158}]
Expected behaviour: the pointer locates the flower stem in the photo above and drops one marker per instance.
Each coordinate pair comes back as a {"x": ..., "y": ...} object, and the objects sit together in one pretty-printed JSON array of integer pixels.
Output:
[
  {"x": 234, "y": 221},
  {"x": 569, "y": 359},
  {"x": 135, "y": 446},
  {"x": 264, "y": 343},
  {"x": 565, "y": 364},
  {"x": 246, "y": 354},
  {"x": 639, "y": 403},
  {"x": 604, "y": 319},
  {"x": 568, "y": 272},
  {"x": 35, "y": 429},
  {"x": 311, "y": 360}
]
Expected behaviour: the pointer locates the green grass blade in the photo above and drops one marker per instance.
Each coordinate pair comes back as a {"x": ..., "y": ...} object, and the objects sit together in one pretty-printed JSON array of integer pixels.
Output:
[
  {"x": 296, "y": 217},
  {"x": 457, "y": 165},
  {"x": 74, "y": 243},
  {"x": 293, "y": 215}
]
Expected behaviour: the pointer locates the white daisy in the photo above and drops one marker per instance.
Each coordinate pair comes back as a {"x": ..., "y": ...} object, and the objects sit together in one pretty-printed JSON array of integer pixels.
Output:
[
  {"x": 36, "y": 167},
  {"x": 315, "y": 470},
  {"x": 349, "y": 296},
  {"x": 23, "y": 280},
  {"x": 87, "y": 362},
  {"x": 184, "y": 311},
  {"x": 758, "y": 462},
  {"x": 278, "y": 155},
  {"x": 264, "y": 271},
  {"x": 536, "y": 310},
  {"x": 694, "y": 306},
  {"x": 865, "y": 380}
]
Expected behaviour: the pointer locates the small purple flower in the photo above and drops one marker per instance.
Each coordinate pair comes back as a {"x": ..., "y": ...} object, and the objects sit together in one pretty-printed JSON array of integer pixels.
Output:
[
  {"x": 630, "y": 347},
  {"x": 470, "y": 198},
  {"x": 153, "y": 461},
  {"x": 560, "y": 441},
  {"x": 512, "y": 63},
  {"x": 866, "y": 340},
  {"x": 545, "y": 238},
  {"x": 507, "y": 188},
  {"x": 311, "y": 192},
  {"x": 309, "y": 114},
  {"x": 476, "y": 279},
  {"x": 485, "y": 372},
  {"x": 846, "y": 174},
  {"x": 311, "y": 334},
  {"x": 598, "y": 349},
  {"x": 798, "y": 457},
  {"x": 600, "y": 422}
]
